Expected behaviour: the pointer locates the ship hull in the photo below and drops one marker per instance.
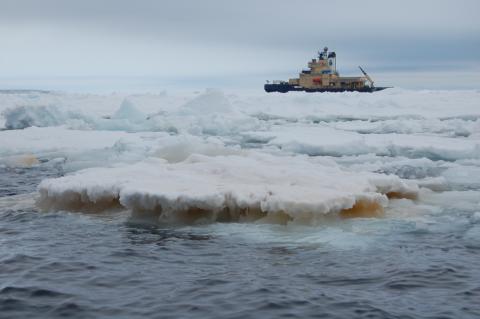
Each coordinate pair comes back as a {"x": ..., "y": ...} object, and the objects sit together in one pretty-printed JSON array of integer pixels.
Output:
[{"x": 285, "y": 87}]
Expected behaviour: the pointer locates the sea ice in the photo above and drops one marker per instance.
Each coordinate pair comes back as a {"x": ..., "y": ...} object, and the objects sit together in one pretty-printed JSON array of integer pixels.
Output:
[
  {"x": 327, "y": 141},
  {"x": 258, "y": 186},
  {"x": 233, "y": 156}
]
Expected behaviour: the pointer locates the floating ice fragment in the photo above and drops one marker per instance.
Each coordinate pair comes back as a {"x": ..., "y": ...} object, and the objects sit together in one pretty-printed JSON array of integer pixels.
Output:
[
  {"x": 22, "y": 117},
  {"x": 212, "y": 101},
  {"x": 128, "y": 111},
  {"x": 257, "y": 187}
]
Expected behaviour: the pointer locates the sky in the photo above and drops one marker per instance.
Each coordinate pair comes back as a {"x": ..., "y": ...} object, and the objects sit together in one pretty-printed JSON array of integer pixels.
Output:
[{"x": 151, "y": 44}]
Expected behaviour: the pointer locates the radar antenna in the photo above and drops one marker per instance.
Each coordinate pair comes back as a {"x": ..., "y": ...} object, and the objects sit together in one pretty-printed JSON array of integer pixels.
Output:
[{"x": 367, "y": 76}]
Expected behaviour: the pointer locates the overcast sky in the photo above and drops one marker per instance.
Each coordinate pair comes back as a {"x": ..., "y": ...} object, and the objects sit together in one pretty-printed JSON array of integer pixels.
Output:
[{"x": 204, "y": 43}]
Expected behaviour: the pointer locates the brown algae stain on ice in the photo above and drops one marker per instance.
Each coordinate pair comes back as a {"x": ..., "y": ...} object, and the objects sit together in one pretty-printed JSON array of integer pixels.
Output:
[
  {"x": 400, "y": 195},
  {"x": 196, "y": 215},
  {"x": 28, "y": 160},
  {"x": 363, "y": 209},
  {"x": 76, "y": 202},
  {"x": 223, "y": 211},
  {"x": 25, "y": 160}
]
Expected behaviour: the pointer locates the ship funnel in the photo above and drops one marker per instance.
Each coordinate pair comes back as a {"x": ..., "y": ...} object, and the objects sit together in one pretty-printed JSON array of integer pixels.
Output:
[{"x": 332, "y": 61}]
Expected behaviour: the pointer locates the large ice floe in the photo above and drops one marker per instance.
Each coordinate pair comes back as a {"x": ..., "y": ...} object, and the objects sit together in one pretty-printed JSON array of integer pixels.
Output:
[
  {"x": 227, "y": 188},
  {"x": 218, "y": 156},
  {"x": 324, "y": 140}
]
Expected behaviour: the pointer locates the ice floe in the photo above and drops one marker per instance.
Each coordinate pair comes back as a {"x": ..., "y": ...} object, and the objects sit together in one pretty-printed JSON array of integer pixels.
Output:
[
  {"x": 225, "y": 188},
  {"x": 89, "y": 148},
  {"x": 328, "y": 141}
]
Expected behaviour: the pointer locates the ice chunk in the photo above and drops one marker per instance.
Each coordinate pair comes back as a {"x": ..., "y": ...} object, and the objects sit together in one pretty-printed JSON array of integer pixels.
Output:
[
  {"x": 226, "y": 188},
  {"x": 128, "y": 111},
  {"x": 179, "y": 149},
  {"x": 35, "y": 140},
  {"x": 24, "y": 160},
  {"x": 83, "y": 149},
  {"x": 212, "y": 101},
  {"x": 80, "y": 149},
  {"x": 447, "y": 127},
  {"x": 437, "y": 184},
  {"x": 463, "y": 177},
  {"x": 126, "y": 118},
  {"x": 323, "y": 140},
  {"x": 21, "y": 117}
]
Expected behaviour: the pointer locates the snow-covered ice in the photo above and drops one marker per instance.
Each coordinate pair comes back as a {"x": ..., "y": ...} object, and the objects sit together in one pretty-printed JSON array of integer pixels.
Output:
[
  {"x": 217, "y": 155},
  {"x": 324, "y": 140},
  {"x": 233, "y": 187}
]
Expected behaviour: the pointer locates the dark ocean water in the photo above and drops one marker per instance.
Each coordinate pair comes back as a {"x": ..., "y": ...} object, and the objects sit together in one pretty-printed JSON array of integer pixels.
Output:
[{"x": 63, "y": 264}]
